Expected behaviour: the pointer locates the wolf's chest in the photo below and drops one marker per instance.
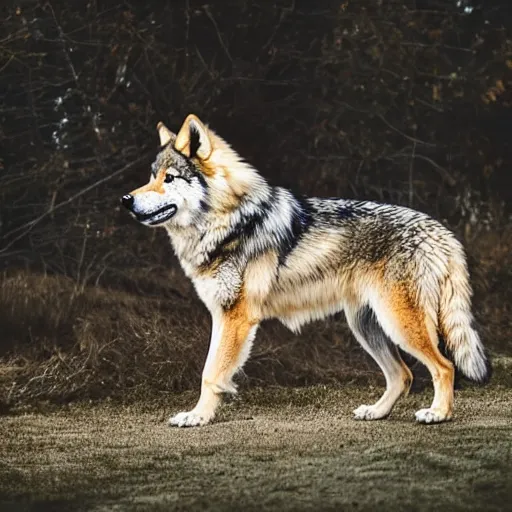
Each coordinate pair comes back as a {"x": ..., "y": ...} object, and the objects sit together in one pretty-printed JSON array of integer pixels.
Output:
[{"x": 220, "y": 291}]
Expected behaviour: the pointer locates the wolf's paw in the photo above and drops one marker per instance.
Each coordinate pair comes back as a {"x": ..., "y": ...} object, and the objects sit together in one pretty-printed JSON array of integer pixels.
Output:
[
  {"x": 188, "y": 419},
  {"x": 432, "y": 416},
  {"x": 369, "y": 412}
]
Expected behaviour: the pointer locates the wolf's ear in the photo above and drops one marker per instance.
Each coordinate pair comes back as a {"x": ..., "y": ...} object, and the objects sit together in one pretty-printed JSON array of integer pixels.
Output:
[
  {"x": 193, "y": 139},
  {"x": 165, "y": 134}
]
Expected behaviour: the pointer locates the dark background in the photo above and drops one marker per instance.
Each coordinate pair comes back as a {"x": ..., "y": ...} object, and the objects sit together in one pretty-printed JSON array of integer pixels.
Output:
[{"x": 398, "y": 101}]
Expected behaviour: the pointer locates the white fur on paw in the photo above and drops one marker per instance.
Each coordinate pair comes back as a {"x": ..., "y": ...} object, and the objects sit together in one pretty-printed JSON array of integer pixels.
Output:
[
  {"x": 188, "y": 419},
  {"x": 431, "y": 416},
  {"x": 368, "y": 412}
]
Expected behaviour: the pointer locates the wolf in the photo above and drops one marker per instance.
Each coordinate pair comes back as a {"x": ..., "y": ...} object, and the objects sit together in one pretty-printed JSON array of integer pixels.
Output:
[{"x": 255, "y": 251}]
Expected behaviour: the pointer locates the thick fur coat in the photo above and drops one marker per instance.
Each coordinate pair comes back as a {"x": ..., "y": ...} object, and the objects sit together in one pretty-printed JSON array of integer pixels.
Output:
[{"x": 256, "y": 252}]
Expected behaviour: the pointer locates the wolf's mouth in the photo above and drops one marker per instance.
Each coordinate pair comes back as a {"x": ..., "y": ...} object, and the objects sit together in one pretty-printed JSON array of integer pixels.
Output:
[{"x": 158, "y": 217}]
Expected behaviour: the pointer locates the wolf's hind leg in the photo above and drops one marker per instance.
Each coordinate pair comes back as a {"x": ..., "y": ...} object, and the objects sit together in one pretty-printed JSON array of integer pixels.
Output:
[
  {"x": 415, "y": 332},
  {"x": 374, "y": 340},
  {"x": 232, "y": 334}
]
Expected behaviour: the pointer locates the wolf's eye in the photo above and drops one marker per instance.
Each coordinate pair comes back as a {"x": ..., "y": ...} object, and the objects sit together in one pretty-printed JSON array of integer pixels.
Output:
[{"x": 168, "y": 178}]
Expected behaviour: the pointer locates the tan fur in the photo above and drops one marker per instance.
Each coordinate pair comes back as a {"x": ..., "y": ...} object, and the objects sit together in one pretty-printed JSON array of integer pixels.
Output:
[
  {"x": 232, "y": 185},
  {"x": 259, "y": 279},
  {"x": 223, "y": 361},
  {"x": 182, "y": 142},
  {"x": 420, "y": 339},
  {"x": 407, "y": 378},
  {"x": 165, "y": 134},
  {"x": 217, "y": 164},
  {"x": 237, "y": 323},
  {"x": 153, "y": 186}
]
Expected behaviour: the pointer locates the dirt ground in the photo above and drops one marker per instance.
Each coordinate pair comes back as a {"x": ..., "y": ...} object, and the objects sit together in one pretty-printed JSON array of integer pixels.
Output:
[{"x": 270, "y": 449}]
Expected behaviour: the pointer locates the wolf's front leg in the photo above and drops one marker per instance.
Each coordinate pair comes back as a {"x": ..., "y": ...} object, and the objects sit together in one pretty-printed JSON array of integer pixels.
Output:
[{"x": 233, "y": 331}]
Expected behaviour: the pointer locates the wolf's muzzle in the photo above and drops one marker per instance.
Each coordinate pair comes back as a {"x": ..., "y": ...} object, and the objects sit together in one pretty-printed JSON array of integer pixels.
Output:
[{"x": 152, "y": 218}]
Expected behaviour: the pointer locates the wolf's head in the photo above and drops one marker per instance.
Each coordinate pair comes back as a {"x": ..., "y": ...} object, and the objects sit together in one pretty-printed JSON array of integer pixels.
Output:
[{"x": 194, "y": 172}]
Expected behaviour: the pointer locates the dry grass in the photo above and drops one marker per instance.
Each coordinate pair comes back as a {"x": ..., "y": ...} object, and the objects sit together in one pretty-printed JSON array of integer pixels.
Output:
[
  {"x": 61, "y": 341},
  {"x": 64, "y": 343}
]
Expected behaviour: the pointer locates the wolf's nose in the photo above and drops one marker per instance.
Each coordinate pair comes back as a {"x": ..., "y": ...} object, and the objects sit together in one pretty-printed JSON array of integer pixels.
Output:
[{"x": 127, "y": 201}]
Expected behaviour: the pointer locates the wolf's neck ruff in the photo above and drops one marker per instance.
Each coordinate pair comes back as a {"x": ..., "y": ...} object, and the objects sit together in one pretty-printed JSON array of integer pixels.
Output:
[{"x": 256, "y": 252}]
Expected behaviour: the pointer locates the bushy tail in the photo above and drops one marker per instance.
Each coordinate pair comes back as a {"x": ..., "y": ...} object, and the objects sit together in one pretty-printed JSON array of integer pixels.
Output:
[{"x": 456, "y": 322}]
